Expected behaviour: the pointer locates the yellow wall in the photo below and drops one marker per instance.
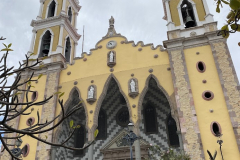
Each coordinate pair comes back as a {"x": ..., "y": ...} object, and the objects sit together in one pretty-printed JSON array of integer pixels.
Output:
[
  {"x": 55, "y": 30},
  {"x": 218, "y": 104},
  {"x": 40, "y": 87},
  {"x": 46, "y": 3},
  {"x": 175, "y": 15},
  {"x": 129, "y": 60}
]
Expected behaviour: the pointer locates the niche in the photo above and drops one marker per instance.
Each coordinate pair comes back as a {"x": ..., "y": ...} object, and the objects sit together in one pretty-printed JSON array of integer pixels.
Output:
[
  {"x": 34, "y": 96},
  {"x": 25, "y": 150}
]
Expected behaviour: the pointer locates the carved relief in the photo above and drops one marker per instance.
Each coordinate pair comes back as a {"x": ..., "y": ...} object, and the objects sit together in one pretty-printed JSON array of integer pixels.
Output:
[
  {"x": 92, "y": 91},
  {"x": 111, "y": 58},
  {"x": 133, "y": 87}
]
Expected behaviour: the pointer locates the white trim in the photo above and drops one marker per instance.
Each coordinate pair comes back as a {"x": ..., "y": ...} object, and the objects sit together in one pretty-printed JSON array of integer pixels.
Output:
[
  {"x": 48, "y": 8},
  {"x": 65, "y": 47},
  {"x": 63, "y": 7},
  {"x": 75, "y": 20},
  {"x": 31, "y": 49},
  {"x": 194, "y": 10},
  {"x": 39, "y": 17},
  {"x": 40, "y": 41},
  {"x": 74, "y": 5}
]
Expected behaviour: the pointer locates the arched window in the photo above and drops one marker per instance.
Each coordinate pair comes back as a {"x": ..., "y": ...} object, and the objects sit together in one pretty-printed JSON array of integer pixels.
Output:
[
  {"x": 70, "y": 14},
  {"x": 150, "y": 119},
  {"x": 68, "y": 50},
  {"x": 102, "y": 125},
  {"x": 172, "y": 132},
  {"x": 79, "y": 139},
  {"x": 188, "y": 14},
  {"x": 51, "y": 9},
  {"x": 45, "y": 44}
]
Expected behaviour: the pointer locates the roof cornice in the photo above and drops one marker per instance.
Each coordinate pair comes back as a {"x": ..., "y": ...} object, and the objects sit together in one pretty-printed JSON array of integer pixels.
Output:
[{"x": 62, "y": 19}]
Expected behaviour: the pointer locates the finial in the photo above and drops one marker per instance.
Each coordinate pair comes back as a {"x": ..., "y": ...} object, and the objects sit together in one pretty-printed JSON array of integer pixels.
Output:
[{"x": 111, "y": 22}]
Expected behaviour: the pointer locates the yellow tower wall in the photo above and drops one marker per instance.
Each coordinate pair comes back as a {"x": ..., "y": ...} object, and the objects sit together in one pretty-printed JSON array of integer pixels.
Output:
[
  {"x": 40, "y": 88},
  {"x": 218, "y": 104}
]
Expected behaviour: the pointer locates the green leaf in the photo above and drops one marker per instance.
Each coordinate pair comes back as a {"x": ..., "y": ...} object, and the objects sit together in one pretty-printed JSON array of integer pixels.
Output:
[
  {"x": 234, "y": 4},
  {"x": 5, "y": 45},
  {"x": 9, "y": 45},
  {"x": 31, "y": 54},
  {"x": 41, "y": 66},
  {"x": 40, "y": 76},
  {"x": 96, "y": 133},
  {"x": 78, "y": 126},
  {"x": 6, "y": 49},
  {"x": 31, "y": 60},
  {"x": 226, "y": 2},
  {"x": 57, "y": 93},
  {"x": 44, "y": 57},
  {"x": 46, "y": 137},
  {"x": 71, "y": 124},
  {"x": 61, "y": 95},
  {"x": 29, "y": 83}
]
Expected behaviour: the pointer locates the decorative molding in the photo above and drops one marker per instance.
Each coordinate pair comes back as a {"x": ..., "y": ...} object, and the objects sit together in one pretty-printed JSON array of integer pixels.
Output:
[
  {"x": 56, "y": 7},
  {"x": 57, "y": 21}
]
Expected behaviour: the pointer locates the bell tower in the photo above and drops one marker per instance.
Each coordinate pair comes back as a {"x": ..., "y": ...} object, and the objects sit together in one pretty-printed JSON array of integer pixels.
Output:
[
  {"x": 205, "y": 84},
  {"x": 183, "y": 15},
  {"x": 54, "y": 30}
]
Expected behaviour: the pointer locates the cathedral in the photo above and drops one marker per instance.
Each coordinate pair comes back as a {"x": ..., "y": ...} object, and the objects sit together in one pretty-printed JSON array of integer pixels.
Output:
[{"x": 179, "y": 95}]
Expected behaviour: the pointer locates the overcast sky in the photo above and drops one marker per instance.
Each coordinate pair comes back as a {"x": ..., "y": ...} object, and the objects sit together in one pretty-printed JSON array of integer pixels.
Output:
[{"x": 138, "y": 20}]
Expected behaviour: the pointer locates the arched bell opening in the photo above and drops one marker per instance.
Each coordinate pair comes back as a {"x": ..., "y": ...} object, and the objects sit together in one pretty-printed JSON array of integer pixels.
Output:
[
  {"x": 79, "y": 137},
  {"x": 113, "y": 115},
  {"x": 51, "y": 9},
  {"x": 70, "y": 14},
  {"x": 155, "y": 111},
  {"x": 188, "y": 14},
  {"x": 68, "y": 50},
  {"x": 173, "y": 138},
  {"x": 45, "y": 44}
]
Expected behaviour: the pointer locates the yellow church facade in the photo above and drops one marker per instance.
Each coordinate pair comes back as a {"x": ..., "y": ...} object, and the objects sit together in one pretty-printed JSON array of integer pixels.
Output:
[{"x": 181, "y": 95}]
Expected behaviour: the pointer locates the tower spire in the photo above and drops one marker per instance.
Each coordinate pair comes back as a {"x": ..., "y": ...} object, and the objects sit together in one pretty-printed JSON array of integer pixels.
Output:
[{"x": 111, "y": 22}]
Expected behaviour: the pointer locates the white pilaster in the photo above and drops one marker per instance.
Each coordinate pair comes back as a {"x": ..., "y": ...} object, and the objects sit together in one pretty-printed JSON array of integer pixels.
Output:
[
  {"x": 137, "y": 150},
  {"x": 75, "y": 49},
  {"x": 39, "y": 17},
  {"x": 196, "y": 13},
  {"x": 32, "y": 42},
  {"x": 170, "y": 24},
  {"x": 209, "y": 16},
  {"x": 75, "y": 20},
  {"x": 90, "y": 152},
  {"x": 59, "y": 46},
  {"x": 63, "y": 7}
]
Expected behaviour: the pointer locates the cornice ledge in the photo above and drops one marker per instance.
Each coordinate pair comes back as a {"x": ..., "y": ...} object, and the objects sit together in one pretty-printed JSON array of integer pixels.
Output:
[
  {"x": 76, "y": 3},
  {"x": 141, "y": 43},
  {"x": 57, "y": 18}
]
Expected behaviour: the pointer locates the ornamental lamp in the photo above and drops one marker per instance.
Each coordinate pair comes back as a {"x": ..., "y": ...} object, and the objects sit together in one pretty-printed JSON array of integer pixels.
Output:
[
  {"x": 19, "y": 142},
  {"x": 130, "y": 127}
]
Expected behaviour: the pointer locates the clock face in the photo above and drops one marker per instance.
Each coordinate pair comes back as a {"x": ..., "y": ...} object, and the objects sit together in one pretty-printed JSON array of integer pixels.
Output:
[{"x": 111, "y": 44}]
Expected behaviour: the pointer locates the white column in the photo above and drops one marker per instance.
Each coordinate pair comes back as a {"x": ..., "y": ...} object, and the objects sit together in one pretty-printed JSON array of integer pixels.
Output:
[
  {"x": 60, "y": 40},
  {"x": 39, "y": 17},
  {"x": 180, "y": 139},
  {"x": 63, "y": 7},
  {"x": 196, "y": 14},
  {"x": 90, "y": 152},
  {"x": 32, "y": 42},
  {"x": 75, "y": 49},
  {"x": 75, "y": 20},
  {"x": 180, "y": 16},
  {"x": 170, "y": 24},
  {"x": 209, "y": 16},
  {"x": 137, "y": 150}
]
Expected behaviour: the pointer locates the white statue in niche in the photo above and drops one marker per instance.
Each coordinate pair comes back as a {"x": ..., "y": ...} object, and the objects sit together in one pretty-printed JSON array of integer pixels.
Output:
[
  {"x": 133, "y": 86},
  {"x": 111, "y": 57},
  {"x": 91, "y": 92}
]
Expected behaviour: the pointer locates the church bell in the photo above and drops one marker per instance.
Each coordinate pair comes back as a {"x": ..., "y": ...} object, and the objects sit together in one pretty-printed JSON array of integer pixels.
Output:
[{"x": 189, "y": 22}]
